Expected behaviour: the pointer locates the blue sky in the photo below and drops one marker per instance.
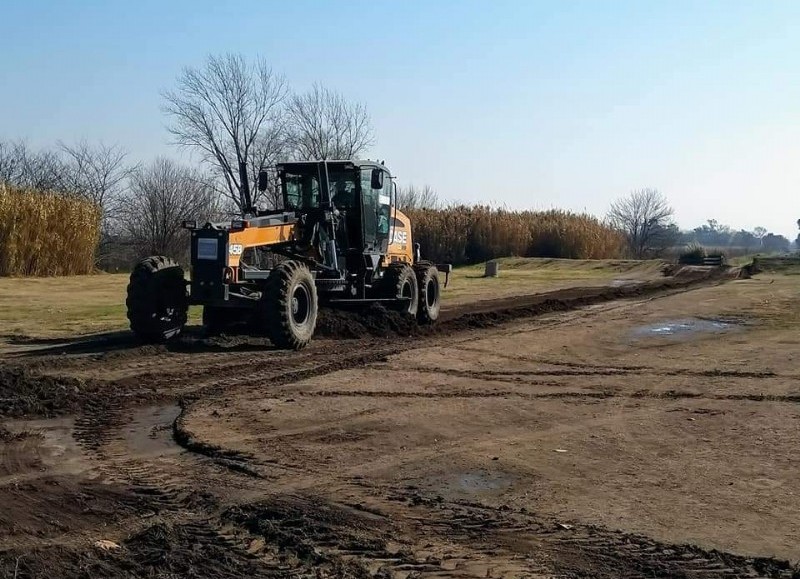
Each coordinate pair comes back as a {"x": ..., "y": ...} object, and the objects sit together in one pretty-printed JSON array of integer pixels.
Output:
[{"x": 528, "y": 104}]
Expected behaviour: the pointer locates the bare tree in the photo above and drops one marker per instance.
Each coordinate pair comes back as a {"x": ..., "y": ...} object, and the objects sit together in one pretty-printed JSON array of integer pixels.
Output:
[
  {"x": 160, "y": 197},
  {"x": 413, "y": 197},
  {"x": 95, "y": 172},
  {"x": 21, "y": 166},
  {"x": 324, "y": 125},
  {"x": 645, "y": 217},
  {"x": 231, "y": 111}
]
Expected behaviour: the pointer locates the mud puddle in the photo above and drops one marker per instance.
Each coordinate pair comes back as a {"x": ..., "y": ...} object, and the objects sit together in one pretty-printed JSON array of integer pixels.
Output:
[
  {"x": 470, "y": 483},
  {"x": 43, "y": 446},
  {"x": 149, "y": 433},
  {"x": 687, "y": 327}
]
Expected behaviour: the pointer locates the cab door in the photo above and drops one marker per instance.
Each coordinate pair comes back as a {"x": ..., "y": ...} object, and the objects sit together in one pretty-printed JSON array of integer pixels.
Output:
[{"x": 375, "y": 210}]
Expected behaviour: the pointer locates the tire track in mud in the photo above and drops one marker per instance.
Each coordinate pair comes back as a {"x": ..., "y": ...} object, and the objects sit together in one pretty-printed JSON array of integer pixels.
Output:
[
  {"x": 405, "y": 532},
  {"x": 666, "y": 395},
  {"x": 499, "y": 375},
  {"x": 576, "y": 549}
]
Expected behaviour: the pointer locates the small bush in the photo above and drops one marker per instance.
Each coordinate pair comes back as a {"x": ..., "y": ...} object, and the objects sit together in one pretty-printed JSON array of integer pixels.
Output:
[
  {"x": 693, "y": 255},
  {"x": 44, "y": 234}
]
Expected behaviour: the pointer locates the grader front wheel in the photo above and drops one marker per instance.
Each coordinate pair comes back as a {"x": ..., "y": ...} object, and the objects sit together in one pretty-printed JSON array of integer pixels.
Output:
[
  {"x": 429, "y": 294},
  {"x": 400, "y": 284},
  {"x": 157, "y": 303}
]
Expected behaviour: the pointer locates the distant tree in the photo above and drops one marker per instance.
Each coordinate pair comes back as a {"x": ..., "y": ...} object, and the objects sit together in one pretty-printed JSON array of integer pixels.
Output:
[
  {"x": 21, "y": 166},
  {"x": 412, "y": 197},
  {"x": 98, "y": 173},
  {"x": 759, "y": 232},
  {"x": 160, "y": 197},
  {"x": 713, "y": 234},
  {"x": 772, "y": 243},
  {"x": 645, "y": 218},
  {"x": 230, "y": 111},
  {"x": 745, "y": 239},
  {"x": 325, "y": 125}
]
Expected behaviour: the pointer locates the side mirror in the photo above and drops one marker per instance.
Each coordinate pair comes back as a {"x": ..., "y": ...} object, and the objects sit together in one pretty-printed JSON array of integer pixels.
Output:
[
  {"x": 377, "y": 179},
  {"x": 263, "y": 181}
]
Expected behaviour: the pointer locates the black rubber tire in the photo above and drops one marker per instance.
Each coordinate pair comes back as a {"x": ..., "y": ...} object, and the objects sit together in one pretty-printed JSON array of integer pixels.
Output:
[
  {"x": 400, "y": 284},
  {"x": 289, "y": 305},
  {"x": 157, "y": 301},
  {"x": 429, "y": 294}
]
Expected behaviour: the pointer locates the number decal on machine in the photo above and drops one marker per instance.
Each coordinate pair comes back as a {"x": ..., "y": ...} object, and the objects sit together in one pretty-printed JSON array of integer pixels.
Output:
[{"x": 236, "y": 249}]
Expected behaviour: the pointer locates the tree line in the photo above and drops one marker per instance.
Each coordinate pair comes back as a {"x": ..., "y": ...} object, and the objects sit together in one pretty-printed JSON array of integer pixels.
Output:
[
  {"x": 646, "y": 218},
  {"x": 229, "y": 112},
  {"x": 226, "y": 112}
]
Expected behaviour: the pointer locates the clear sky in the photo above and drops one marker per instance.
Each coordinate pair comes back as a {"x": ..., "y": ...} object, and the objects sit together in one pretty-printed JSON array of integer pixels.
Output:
[{"x": 528, "y": 104}]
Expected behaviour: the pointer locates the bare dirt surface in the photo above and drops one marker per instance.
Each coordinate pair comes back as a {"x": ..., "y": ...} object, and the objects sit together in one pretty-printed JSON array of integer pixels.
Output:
[{"x": 642, "y": 430}]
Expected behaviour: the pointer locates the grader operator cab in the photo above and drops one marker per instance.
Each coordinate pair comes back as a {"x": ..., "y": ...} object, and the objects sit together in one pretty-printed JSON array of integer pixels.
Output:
[{"x": 339, "y": 241}]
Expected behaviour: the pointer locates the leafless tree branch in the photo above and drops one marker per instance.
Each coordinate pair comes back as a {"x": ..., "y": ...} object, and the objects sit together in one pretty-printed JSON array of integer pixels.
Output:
[
  {"x": 162, "y": 195},
  {"x": 645, "y": 217},
  {"x": 324, "y": 125},
  {"x": 230, "y": 111}
]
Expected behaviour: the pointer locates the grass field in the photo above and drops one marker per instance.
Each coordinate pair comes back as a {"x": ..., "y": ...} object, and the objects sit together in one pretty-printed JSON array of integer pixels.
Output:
[{"x": 63, "y": 306}]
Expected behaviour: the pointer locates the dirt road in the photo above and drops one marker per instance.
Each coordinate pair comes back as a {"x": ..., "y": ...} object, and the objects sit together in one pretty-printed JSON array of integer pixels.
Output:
[{"x": 640, "y": 431}]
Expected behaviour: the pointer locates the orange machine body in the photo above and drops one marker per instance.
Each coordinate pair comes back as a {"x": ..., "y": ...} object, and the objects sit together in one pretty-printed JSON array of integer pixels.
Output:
[{"x": 401, "y": 247}]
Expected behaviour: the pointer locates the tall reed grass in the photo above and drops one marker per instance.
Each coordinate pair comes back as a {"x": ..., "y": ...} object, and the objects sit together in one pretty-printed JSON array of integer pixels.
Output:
[
  {"x": 46, "y": 234},
  {"x": 462, "y": 235}
]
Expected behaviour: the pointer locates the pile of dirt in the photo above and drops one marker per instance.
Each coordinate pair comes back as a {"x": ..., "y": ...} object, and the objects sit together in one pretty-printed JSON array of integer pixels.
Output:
[
  {"x": 379, "y": 321},
  {"x": 376, "y": 320},
  {"x": 25, "y": 393},
  {"x": 315, "y": 532},
  {"x": 162, "y": 550}
]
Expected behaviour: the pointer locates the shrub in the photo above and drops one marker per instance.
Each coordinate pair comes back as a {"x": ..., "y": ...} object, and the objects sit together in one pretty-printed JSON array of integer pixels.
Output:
[
  {"x": 693, "y": 255},
  {"x": 43, "y": 233}
]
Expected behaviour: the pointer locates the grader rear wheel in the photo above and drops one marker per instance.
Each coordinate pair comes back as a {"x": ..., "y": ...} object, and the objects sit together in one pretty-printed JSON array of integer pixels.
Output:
[{"x": 289, "y": 306}]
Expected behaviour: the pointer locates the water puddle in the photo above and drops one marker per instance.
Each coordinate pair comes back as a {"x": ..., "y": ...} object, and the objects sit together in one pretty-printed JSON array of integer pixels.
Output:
[
  {"x": 475, "y": 482},
  {"x": 44, "y": 445},
  {"x": 686, "y": 327},
  {"x": 149, "y": 433}
]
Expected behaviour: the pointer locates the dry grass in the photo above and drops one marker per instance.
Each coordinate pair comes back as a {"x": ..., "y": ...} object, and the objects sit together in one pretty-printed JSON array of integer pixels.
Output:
[
  {"x": 43, "y": 234},
  {"x": 60, "y": 307},
  {"x": 520, "y": 276},
  {"x": 461, "y": 235}
]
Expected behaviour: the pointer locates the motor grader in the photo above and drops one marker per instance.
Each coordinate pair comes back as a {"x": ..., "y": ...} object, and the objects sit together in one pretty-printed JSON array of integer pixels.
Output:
[{"x": 338, "y": 240}]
